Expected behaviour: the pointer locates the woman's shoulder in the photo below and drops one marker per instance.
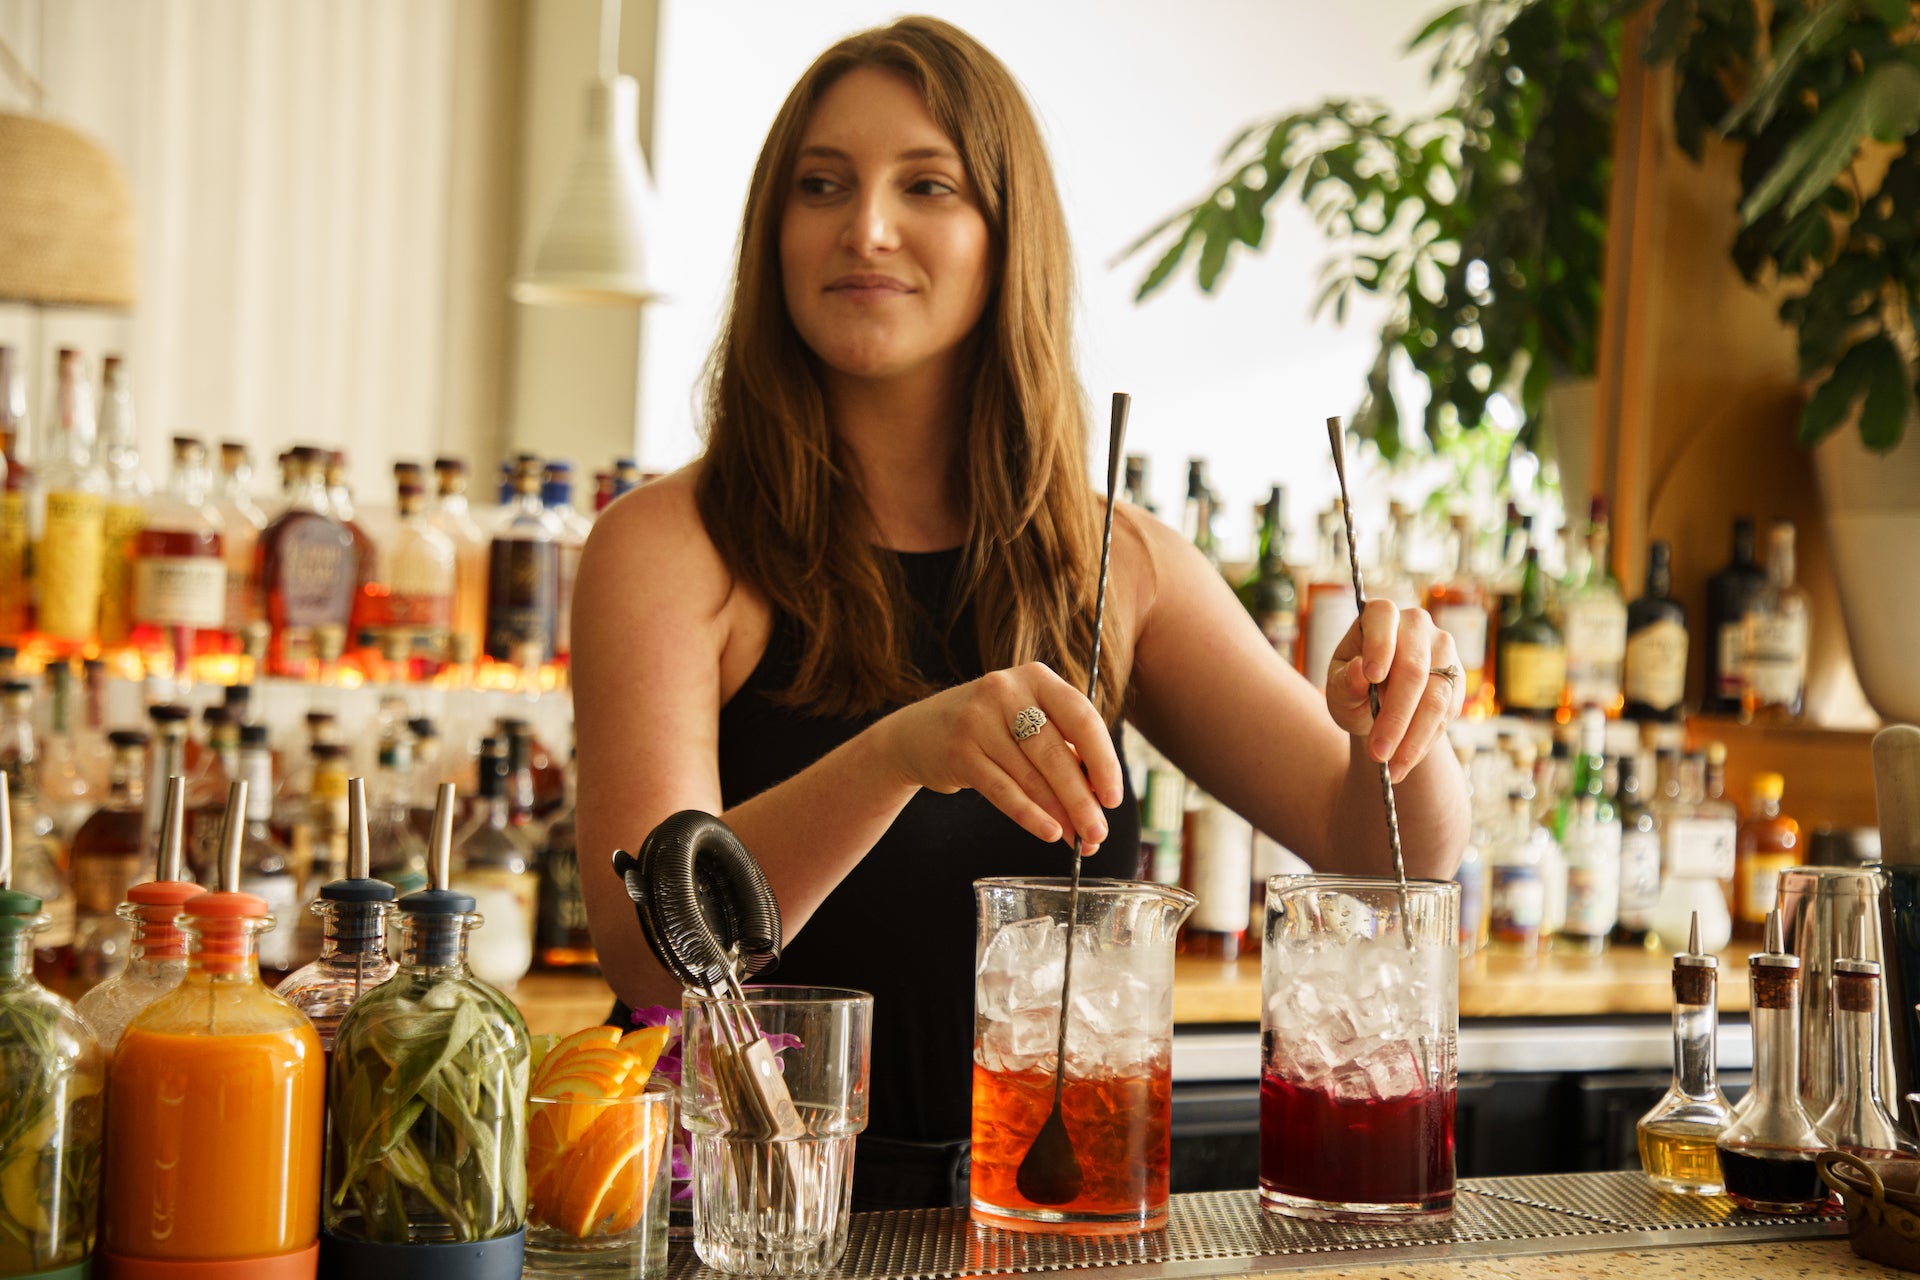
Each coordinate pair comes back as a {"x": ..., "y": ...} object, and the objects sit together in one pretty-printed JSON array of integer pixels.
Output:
[{"x": 653, "y": 537}]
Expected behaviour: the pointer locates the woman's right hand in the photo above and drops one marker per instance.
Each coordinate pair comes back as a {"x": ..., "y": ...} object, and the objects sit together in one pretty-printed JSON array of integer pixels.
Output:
[{"x": 1054, "y": 783}]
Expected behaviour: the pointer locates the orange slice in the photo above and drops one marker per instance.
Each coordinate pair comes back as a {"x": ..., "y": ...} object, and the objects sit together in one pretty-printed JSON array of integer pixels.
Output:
[
  {"x": 645, "y": 1046},
  {"x": 588, "y": 1061},
  {"x": 591, "y": 1183}
]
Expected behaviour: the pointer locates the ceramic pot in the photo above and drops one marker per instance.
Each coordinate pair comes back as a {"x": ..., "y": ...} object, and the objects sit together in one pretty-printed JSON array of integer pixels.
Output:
[{"x": 1872, "y": 503}]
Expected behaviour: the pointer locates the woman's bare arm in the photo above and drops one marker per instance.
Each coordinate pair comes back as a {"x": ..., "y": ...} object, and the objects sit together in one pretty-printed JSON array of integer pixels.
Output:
[{"x": 1212, "y": 694}]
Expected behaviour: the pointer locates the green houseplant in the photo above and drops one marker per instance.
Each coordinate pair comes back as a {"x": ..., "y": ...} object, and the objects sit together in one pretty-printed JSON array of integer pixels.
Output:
[{"x": 1482, "y": 224}]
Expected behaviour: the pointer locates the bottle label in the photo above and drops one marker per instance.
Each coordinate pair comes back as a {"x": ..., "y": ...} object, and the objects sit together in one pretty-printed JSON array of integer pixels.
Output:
[
  {"x": 312, "y": 571},
  {"x": 101, "y": 881},
  {"x": 15, "y": 534},
  {"x": 1516, "y": 902},
  {"x": 1467, "y": 624},
  {"x": 1760, "y": 884},
  {"x": 180, "y": 591},
  {"x": 519, "y": 887},
  {"x": 1639, "y": 878},
  {"x": 1471, "y": 876},
  {"x": 1776, "y": 656},
  {"x": 563, "y": 909},
  {"x": 279, "y": 946},
  {"x": 239, "y": 549},
  {"x": 1657, "y": 665},
  {"x": 1698, "y": 847},
  {"x": 1328, "y": 621},
  {"x": 1596, "y": 631},
  {"x": 523, "y": 586},
  {"x": 67, "y": 569},
  {"x": 120, "y": 524},
  {"x": 1220, "y": 862},
  {"x": 1165, "y": 806},
  {"x": 1281, "y": 627},
  {"x": 1532, "y": 675},
  {"x": 1733, "y": 657},
  {"x": 1593, "y": 879}
]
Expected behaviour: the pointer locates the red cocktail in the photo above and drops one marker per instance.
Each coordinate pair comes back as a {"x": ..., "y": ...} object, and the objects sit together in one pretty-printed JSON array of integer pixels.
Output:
[
  {"x": 1121, "y": 1134},
  {"x": 1316, "y": 1149}
]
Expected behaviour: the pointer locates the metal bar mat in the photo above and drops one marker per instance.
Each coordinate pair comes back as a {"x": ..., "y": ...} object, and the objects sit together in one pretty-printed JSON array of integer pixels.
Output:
[{"x": 1492, "y": 1217}]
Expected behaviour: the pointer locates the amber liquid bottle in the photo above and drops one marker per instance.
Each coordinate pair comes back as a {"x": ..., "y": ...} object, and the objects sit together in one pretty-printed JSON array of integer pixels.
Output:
[
  {"x": 109, "y": 856},
  {"x": 308, "y": 570},
  {"x": 1767, "y": 844},
  {"x": 179, "y": 593}
]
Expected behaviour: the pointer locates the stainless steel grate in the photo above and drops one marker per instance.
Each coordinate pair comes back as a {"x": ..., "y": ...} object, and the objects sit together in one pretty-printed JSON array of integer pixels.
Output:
[{"x": 1492, "y": 1217}]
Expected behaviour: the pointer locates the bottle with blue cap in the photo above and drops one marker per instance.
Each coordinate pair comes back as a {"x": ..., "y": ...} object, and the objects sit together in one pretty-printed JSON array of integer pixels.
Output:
[
  {"x": 53, "y": 1075},
  {"x": 426, "y": 1169},
  {"x": 353, "y": 944}
]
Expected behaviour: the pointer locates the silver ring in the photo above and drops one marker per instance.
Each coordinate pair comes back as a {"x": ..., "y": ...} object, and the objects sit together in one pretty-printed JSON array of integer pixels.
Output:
[
  {"x": 1450, "y": 674},
  {"x": 1028, "y": 722}
]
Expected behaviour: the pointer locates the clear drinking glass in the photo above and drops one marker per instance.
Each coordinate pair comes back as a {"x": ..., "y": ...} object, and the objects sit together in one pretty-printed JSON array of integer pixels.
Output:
[
  {"x": 777, "y": 1207},
  {"x": 597, "y": 1184},
  {"x": 1117, "y": 1100},
  {"x": 1359, "y": 1020}
]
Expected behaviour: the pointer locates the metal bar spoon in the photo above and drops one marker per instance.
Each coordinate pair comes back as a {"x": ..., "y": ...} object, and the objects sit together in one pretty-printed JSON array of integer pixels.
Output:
[
  {"x": 1050, "y": 1171},
  {"x": 1336, "y": 436}
]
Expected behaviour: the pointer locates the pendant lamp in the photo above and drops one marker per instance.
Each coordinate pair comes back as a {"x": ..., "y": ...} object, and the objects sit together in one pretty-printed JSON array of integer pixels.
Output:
[
  {"x": 66, "y": 213},
  {"x": 591, "y": 251}
]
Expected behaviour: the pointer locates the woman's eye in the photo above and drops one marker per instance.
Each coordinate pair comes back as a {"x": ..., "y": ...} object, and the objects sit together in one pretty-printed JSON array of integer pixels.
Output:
[
  {"x": 814, "y": 185},
  {"x": 932, "y": 187}
]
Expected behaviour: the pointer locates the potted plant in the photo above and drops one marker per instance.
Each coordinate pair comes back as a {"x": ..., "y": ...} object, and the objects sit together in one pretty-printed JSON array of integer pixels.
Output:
[
  {"x": 1482, "y": 224},
  {"x": 1824, "y": 97}
]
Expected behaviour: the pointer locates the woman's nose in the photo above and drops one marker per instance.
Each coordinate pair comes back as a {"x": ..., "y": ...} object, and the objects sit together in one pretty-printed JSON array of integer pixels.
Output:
[{"x": 871, "y": 223}]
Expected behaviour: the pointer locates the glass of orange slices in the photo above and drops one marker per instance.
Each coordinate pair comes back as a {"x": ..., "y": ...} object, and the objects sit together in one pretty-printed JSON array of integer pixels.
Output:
[{"x": 599, "y": 1129}]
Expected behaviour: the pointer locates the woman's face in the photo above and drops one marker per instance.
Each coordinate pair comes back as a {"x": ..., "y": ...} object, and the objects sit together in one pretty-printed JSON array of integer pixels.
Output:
[{"x": 884, "y": 253}]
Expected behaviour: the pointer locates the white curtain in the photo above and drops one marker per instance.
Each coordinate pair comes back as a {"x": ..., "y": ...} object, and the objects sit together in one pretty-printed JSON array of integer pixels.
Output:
[{"x": 292, "y": 163}]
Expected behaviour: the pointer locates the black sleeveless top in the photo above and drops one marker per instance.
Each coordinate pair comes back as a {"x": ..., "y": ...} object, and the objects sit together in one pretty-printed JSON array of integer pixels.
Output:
[{"x": 901, "y": 924}]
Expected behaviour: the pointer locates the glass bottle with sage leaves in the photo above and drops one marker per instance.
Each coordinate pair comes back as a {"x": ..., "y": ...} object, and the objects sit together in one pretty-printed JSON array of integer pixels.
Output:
[
  {"x": 53, "y": 1075},
  {"x": 426, "y": 1173},
  {"x": 353, "y": 946}
]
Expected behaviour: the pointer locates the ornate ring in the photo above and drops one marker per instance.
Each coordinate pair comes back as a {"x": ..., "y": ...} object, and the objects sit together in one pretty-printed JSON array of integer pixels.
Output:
[
  {"x": 1028, "y": 722},
  {"x": 1450, "y": 674}
]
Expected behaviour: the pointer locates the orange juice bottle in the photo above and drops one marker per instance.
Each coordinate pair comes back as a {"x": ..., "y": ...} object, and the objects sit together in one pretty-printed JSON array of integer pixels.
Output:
[
  {"x": 215, "y": 1110},
  {"x": 50, "y": 1084}
]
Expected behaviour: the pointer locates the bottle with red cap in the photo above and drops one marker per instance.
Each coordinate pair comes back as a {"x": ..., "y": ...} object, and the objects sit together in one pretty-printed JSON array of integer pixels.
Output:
[
  {"x": 50, "y": 1071},
  {"x": 215, "y": 1109},
  {"x": 157, "y": 955}
]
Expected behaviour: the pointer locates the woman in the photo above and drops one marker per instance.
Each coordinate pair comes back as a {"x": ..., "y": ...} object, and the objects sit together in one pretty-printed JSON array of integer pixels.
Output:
[{"x": 827, "y": 628}]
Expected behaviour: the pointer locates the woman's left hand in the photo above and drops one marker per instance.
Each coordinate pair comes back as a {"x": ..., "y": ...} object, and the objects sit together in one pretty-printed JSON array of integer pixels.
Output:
[{"x": 1401, "y": 651}]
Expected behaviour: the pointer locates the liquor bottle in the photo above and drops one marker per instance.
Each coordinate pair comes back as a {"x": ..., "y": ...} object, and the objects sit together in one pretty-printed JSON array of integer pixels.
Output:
[
  {"x": 366, "y": 557},
  {"x": 494, "y": 862},
  {"x": 1656, "y": 672},
  {"x": 178, "y": 1116},
  {"x": 1217, "y": 851},
  {"x": 166, "y": 759},
  {"x": 266, "y": 868},
  {"x": 1773, "y": 684},
  {"x": 1328, "y": 610},
  {"x": 353, "y": 956},
  {"x": 241, "y": 524},
  {"x": 1532, "y": 653},
  {"x": 1767, "y": 843},
  {"x": 62, "y": 777},
  {"x": 1730, "y": 592},
  {"x": 556, "y": 491},
  {"x": 157, "y": 951},
  {"x": 1697, "y": 839},
  {"x": 627, "y": 477},
  {"x": 536, "y": 783},
  {"x": 211, "y": 772},
  {"x": 1163, "y": 814},
  {"x": 16, "y": 498},
  {"x": 109, "y": 853},
  {"x": 452, "y": 517},
  {"x": 1677, "y": 1137},
  {"x": 1768, "y": 1152},
  {"x": 424, "y": 783},
  {"x": 37, "y": 850},
  {"x": 399, "y": 851},
  {"x": 523, "y": 577},
  {"x": 419, "y": 566},
  {"x": 179, "y": 605},
  {"x": 53, "y": 1073},
  {"x": 1268, "y": 592},
  {"x": 447, "y": 1175},
  {"x": 69, "y": 560},
  {"x": 1473, "y": 872},
  {"x": 1136, "y": 490},
  {"x": 1857, "y": 1120},
  {"x": 1516, "y": 883},
  {"x": 1596, "y": 626},
  {"x": 602, "y": 492},
  {"x": 125, "y": 514},
  {"x": 1459, "y": 606},
  {"x": 563, "y": 940},
  {"x": 1639, "y": 857},
  {"x": 1390, "y": 579},
  {"x": 1193, "y": 511},
  {"x": 308, "y": 571},
  {"x": 1587, "y": 829}
]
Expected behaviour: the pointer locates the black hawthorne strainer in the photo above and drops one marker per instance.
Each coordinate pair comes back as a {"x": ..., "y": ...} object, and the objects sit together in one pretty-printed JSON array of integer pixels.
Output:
[{"x": 704, "y": 904}]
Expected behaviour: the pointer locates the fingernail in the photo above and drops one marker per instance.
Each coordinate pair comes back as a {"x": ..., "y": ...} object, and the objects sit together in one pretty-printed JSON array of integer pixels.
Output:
[
  {"x": 1057, "y": 835},
  {"x": 1375, "y": 673},
  {"x": 1088, "y": 850},
  {"x": 1377, "y": 748}
]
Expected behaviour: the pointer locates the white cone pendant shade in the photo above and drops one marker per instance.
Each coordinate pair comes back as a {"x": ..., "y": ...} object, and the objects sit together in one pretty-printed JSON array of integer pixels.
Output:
[
  {"x": 66, "y": 218},
  {"x": 591, "y": 251}
]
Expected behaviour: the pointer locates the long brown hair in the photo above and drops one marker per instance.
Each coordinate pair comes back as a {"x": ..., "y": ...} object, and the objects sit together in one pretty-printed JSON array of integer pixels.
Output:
[{"x": 776, "y": 490}]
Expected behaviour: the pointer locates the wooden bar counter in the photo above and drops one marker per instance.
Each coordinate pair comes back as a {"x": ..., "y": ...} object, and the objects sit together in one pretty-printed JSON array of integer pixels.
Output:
[{"x": 1621, "y": 982}]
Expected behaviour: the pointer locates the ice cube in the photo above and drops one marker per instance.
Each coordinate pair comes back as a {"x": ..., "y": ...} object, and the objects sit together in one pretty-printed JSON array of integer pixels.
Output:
[
  {"x": 1349, "y": 1083},
  {"x": 1344, "y": 917},
  {"x": 1392, "y": 1071}
]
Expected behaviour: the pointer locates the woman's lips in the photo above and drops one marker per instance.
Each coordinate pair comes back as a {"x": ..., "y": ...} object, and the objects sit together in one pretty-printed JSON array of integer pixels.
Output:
[{"x": 868, "y": 288}]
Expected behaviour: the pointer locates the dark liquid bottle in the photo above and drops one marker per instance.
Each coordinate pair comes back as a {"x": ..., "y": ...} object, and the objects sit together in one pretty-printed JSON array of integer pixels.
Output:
[
  {"x": 1656, "y": 673},
  {"x": 1729, "y": 592}
]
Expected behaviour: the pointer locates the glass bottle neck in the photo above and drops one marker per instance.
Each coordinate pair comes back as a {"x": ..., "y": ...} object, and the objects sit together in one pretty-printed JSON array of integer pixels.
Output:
[
  {"x": 1695, "y": 1033},
  {"x": 1776, "y": 1056},
  {"x": 355, "y": 929},
  {"x": 1780, "y": 566},
  {"x": 127, "y": 784},
  {"x": 16, "y": 959},
  {"x": 1854, "y": 1074}
]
